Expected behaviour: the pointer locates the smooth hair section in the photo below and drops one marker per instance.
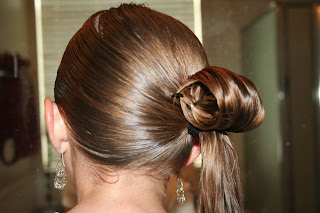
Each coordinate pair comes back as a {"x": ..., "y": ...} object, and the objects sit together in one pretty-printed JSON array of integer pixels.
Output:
[{"x": 114, "y": 88}]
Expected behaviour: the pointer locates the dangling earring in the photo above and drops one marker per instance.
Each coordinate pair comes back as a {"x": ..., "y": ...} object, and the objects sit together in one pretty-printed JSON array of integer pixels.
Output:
[
  {"x": 60, "y": 179},
  {"x": 180, "y": 192}
]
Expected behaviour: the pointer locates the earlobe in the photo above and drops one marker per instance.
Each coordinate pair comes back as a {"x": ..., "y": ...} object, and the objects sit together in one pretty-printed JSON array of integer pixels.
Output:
[
  {"x": 56, "y": 126},
  {"x": 195, "y": 152}
]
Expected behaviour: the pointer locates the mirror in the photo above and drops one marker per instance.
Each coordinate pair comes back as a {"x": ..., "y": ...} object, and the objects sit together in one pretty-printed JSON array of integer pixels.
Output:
[{"x": 276, "y": 44}]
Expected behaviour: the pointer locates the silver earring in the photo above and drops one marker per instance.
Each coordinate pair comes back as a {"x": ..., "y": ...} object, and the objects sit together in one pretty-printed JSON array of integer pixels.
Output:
[
  {"x": 60, "y": 179},
  {"x": 180, "y": 192}
]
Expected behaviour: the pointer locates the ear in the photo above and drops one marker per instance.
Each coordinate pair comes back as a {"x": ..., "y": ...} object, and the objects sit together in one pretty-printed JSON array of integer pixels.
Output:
[
  {"x": 195, "y": 152},
  {"x": 56, "y": 127}
]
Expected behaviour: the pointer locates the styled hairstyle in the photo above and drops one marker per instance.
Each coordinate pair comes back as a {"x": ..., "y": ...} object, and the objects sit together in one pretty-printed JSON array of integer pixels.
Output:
[{"x": 114, "y": 90}]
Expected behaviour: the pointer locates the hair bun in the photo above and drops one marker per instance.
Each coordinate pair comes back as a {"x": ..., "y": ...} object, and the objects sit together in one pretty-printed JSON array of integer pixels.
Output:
[{"x": 218, "y": 99}]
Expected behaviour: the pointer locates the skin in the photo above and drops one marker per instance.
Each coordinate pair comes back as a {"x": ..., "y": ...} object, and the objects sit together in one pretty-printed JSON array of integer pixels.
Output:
[{"x": 124, "y": 192}]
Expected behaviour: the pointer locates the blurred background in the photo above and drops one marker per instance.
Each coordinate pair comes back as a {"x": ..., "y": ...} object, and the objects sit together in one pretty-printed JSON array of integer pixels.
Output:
[{"x": 274, "y": 43}]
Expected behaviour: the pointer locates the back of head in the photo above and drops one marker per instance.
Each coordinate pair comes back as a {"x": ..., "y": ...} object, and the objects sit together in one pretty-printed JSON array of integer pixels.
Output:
[{"x": 114, "y": 89}]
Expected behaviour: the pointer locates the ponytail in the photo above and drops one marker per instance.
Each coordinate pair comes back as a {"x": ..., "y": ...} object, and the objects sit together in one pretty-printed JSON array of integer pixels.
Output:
[
  {"x": 234, "y": 105},
  {"x": 220, "y": 187}
]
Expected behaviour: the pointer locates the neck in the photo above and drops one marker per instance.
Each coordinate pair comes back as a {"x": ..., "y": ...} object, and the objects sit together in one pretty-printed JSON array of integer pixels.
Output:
[{"x": 129, "y": 191}]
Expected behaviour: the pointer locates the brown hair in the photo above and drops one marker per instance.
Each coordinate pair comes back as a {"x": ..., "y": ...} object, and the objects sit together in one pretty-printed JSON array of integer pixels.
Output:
[{"x": 114, "y": 88}]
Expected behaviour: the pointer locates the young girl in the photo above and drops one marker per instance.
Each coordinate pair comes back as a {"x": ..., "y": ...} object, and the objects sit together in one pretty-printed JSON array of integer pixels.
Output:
[{"x": 135, "y": 101}]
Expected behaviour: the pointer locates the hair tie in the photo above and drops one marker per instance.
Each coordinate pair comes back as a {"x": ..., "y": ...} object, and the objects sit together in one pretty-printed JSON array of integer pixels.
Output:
[{"x": 193, "y": 130}]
